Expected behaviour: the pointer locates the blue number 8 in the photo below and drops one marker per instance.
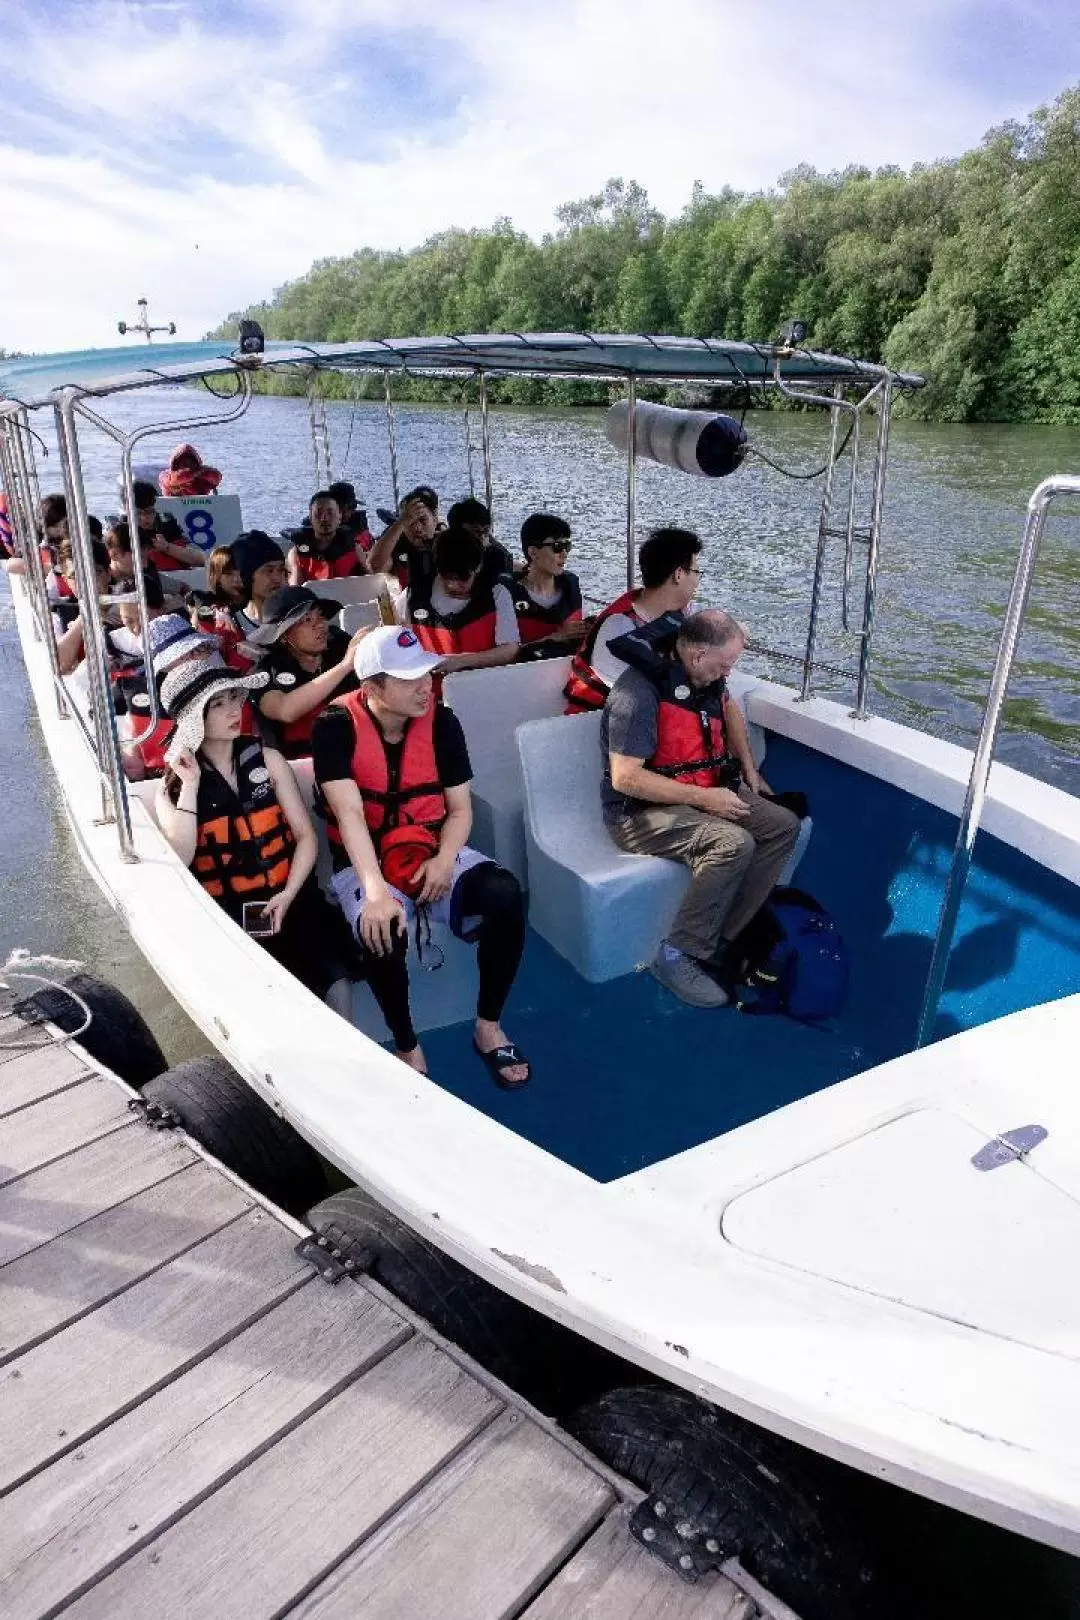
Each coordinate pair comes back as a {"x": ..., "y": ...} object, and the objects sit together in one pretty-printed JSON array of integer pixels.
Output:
[{"x": 200, "y": 528}]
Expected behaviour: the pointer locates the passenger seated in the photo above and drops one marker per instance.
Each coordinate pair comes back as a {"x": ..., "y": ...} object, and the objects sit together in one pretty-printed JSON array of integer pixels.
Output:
[
  {"x": 168, "y": 548},
  {"x": 679, "y": 781},
  {"x": 7, "y": 533},
  {"x": 393, "y": 769},
  {"x": 118, "y": 541},
  {"x": 261, "y": 566},
  {"x": 404, "y": 549},
  {"x": 458, "y": 613},
  {"x": 143, "y": 742},
  {"x": 67, "y": 615},
  {"x": 323, "y": 548},
  {"x": 52, "y": 531},
  {"x": 308, "y": 661},
  {"x": 213, "y": 610},
  {"x": 354, "y": 519},
  {"x": 188, "y": 475},
  {"x": 547, "y": 598},
  {"x": 232, "y": 812},
  {"x": 670, "y": 577},
  {"x": 473, "y": 516}
]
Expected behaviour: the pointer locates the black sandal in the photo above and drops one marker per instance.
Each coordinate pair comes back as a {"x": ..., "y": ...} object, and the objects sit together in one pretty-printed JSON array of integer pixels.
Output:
[{"x": 501, "y": 1058}]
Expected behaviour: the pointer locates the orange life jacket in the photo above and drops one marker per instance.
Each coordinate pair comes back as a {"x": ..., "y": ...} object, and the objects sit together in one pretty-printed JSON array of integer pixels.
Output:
[
  {"x": 470, "y": 630},
  {"x": 338, "y": 561},
  {"x": 584, "y": 690},
  {"x": 536, "y": 621},
  {"x": 691, "y": 730},
  {"x": 406, "y": 793},
  {"x": 245, "y": 844}
]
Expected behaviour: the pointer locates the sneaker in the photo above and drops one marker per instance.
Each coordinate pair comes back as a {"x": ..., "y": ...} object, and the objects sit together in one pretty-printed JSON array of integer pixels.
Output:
[{"x": 684, "y": 978}]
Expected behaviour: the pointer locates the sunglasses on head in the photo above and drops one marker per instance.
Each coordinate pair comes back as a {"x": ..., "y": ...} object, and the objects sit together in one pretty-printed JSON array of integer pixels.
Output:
[{"x": 561, "y": 546}]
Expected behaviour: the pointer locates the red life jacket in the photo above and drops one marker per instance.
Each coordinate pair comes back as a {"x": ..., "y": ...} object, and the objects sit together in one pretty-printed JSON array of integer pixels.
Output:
[
  {"x": 163, "y": 562},
  {"x": 691, "y": 730},
  {"x": 584, "y": 690},
  {"x": 338, "y": 561},
  {"x": 152, "y": 740},
  {"x": 409, "y": 794},
  {"x": 535, "y": 621},
  {"x": 472, "y": 629},
  {"x": 232, "y": 639},
  {"x": 245, "y": 844}
]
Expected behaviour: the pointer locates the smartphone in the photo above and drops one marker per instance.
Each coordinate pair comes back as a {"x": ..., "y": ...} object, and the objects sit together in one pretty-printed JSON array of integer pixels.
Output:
[{"x": 255, "y": 921}]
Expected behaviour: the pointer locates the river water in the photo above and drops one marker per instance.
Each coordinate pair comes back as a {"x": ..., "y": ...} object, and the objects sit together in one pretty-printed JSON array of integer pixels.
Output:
[{"x": 953, "y": 520}]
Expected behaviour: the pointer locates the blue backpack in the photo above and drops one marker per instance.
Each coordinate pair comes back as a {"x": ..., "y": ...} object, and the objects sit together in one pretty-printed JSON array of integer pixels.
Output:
[{"x": 801, "y": 965}]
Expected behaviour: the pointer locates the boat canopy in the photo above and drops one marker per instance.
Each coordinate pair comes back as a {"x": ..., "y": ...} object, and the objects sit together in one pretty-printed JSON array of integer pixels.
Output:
[{"x": 35, "y": 380}]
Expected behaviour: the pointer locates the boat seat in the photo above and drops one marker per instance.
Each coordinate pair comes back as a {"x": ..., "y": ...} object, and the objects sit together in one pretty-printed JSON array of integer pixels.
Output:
[
  {"x": 187, "y": 579},
  {"x": 355, "y": 588},
  {"x": 603, "y": 910},
  {"x": 491, "y": 704}
]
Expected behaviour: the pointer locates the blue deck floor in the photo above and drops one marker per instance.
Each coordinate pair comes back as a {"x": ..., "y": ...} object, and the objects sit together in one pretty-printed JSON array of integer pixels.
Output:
[{"x": 625, "y": 1075}]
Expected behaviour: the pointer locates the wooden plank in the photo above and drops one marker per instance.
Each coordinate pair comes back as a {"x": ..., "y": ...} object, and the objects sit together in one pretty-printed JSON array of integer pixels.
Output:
[
  {"x": 15, "y": 1037},
  {"x": 64, "y": 1390},
  {"x": 79, "y": 1519},
  {"x": 614, "y": 1578},
  {"x": 42, "y": 1205},
  {"x": 66, "y": 1278},
  {"x": 29, "y": 1076},
  {"x": 35, "y": 1136},
  {"x": 275, "y": 1529},
  {"x": 484, "y": 1535}
]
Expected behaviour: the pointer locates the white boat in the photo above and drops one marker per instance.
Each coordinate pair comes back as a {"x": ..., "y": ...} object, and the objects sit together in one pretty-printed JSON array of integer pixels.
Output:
[{"x": 873, "y": 1258}]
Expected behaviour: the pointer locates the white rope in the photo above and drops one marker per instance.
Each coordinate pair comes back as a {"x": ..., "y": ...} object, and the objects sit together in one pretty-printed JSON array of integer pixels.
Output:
[{"x": 21, "y": 965}]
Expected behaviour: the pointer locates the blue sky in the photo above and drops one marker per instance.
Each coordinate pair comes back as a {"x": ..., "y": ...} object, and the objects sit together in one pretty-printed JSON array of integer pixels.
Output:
[{"x": 201, "y": 154}]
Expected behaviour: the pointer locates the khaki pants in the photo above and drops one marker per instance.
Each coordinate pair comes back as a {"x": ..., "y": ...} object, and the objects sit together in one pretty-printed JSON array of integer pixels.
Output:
[{"x": 734, "y": 865}]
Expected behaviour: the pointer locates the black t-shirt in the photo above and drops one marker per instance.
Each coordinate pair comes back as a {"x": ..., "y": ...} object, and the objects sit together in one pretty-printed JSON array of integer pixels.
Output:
[
  {"x": 287, "y": 673},
  {"x": 333, "y": 740}
]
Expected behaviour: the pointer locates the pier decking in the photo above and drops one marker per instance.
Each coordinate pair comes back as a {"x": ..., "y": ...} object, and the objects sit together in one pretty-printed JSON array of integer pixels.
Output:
[{"x": 193, "y": 1424}]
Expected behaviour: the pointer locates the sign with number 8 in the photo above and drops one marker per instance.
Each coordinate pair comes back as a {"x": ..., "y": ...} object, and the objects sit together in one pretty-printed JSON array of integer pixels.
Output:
[{"x": 208, "y": 521}]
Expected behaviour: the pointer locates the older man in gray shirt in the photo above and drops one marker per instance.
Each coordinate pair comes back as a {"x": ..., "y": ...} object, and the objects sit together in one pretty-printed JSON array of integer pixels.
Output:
[{"x": 680, "y": 781}]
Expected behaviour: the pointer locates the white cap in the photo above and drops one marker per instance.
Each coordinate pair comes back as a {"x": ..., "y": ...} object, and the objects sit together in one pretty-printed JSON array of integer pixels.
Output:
[{"x": 393, "y": 650}]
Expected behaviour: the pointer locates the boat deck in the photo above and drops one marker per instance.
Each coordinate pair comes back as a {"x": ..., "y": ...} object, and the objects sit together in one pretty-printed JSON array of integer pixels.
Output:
[{"x": 194, "y": 1424}]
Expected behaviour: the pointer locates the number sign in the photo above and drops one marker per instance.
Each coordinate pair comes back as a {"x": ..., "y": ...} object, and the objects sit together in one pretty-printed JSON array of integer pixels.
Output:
[{"x": 206, "y": 520}]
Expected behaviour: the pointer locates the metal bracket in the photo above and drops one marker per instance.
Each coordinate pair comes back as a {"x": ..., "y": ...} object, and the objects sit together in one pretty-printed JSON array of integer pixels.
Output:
[
  {"x": 1008, "y": 1146},
  {"x": 332, "y": 1264},
  {"x": 684, "y": 1544}
]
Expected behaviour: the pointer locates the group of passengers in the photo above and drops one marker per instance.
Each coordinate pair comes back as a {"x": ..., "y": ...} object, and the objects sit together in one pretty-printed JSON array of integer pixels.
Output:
[{"x": 254, "y": 673}]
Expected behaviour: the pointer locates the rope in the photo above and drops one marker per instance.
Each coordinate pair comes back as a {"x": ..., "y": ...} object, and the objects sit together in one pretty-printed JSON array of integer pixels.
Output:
[{"x": 21, "y": 965}]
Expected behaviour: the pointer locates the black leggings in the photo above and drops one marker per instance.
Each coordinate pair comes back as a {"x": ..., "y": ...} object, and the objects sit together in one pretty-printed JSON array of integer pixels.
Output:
[{"x": 493, "y": 895}]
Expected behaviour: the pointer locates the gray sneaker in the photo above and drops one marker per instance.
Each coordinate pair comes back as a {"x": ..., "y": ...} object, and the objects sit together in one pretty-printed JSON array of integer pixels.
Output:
[{"x": 684, "y": 978}]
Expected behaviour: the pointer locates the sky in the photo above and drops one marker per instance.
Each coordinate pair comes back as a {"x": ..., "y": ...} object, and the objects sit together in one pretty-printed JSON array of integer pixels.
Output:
[{"x": 201, "y": 154}]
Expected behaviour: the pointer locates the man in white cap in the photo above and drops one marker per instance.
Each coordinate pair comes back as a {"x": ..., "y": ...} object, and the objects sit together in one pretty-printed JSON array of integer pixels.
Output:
[{"x": 393, "y": 770}]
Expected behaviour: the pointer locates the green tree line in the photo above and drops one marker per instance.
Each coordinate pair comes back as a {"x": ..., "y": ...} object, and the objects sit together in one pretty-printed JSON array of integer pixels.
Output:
[{"x": 967, "y": 270}]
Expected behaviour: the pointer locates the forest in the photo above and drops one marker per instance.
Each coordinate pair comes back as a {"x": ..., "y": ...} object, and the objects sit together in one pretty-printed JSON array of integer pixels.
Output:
[{"x": 966, "y": 269}]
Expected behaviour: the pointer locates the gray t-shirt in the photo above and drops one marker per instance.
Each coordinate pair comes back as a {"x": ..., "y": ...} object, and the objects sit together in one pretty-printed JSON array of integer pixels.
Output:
[{"x": 628, "y": 726}]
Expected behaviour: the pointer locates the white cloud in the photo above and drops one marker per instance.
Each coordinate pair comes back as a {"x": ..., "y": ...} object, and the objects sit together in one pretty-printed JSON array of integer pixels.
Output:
[{"x": 555, "y": 99}]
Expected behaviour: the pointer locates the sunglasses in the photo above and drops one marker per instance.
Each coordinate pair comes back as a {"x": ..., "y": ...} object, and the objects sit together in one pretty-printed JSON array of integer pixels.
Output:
[{"x": 561, "y": 546}]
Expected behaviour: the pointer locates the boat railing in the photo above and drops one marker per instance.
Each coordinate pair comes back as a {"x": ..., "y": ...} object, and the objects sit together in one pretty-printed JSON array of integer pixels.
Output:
[{"x": 983, "y": 757}]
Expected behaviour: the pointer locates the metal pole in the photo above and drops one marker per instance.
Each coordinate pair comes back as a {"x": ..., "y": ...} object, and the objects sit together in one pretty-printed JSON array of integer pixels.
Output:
[
  {"x": 631, "y": 477},
  {"x": 971, "y": 815},
  {"x": 836, "y": 411},
  {"x": 468, "y": 438},
  {"x": 873, "y": 551},
  {"x": 18, "y": 484},
  {"x": 849, "y": 543},
  {"x": 486, "y": 440},
  {"x": 104, "y": 718},
  {"x": 391, "y": 428}
]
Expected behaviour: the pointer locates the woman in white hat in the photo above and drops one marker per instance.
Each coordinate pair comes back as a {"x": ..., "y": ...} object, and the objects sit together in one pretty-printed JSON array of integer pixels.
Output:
[{"x": 232, "y": 812}]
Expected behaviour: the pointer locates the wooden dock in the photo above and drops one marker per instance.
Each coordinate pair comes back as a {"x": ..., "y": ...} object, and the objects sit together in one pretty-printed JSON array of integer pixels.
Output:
[{"x": 193, "y": 1424}]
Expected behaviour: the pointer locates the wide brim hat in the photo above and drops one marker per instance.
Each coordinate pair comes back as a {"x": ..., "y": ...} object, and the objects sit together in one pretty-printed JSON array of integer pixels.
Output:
[
  {"x": 172, "y": 638},
  {"x": 185, "y": 694},
  {"x": 286, "y": 607}
]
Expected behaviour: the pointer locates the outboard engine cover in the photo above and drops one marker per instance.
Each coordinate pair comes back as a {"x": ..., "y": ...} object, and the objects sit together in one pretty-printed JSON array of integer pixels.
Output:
[{"x": 701, "y": 442}]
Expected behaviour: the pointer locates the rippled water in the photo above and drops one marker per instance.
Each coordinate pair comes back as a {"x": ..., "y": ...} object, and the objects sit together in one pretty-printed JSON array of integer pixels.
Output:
[{"x": 953, "y": 520}]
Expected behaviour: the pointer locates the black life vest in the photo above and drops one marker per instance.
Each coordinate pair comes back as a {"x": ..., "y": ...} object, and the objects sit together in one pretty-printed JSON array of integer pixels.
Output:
[
  {"x": 245, "y": 844},
  {"x": 535, "y": 620}
]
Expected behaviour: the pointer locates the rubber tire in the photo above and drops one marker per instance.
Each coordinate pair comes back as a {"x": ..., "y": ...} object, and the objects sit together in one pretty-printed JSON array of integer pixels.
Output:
[
  {"x": 782, "y": 1509},
  {"x": 119, "y": 1038},
  {"x": 220, "y": 1110},
  {"x": 547, "y": 1363}
]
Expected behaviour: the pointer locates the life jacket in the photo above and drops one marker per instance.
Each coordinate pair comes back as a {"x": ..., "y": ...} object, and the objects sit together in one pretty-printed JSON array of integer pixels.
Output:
[
  {"x": 163, "y": 562},
  {"x": 224, "y": 626},
  {"x": 410, "y": 793},
  {"x": 584, "y": 690},
  {"x": 691, "y": 730},
  {"x": 411, "y": 564},
  {"x": 245, "y": 844},
  {"x": 338, "y": 561},
  {"x": 151, "y": 739},
  {"x": 535, "y": 621},
  {"x": 472, "y": 629}
]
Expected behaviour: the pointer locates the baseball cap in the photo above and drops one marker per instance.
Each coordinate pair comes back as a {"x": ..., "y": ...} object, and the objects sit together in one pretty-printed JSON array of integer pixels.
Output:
[{"x": 393, "y": 650}]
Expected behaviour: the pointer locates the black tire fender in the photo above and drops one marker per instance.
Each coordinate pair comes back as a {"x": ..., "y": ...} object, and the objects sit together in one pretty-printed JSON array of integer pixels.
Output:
[
  {"x": 118, "y": 1038},
  {"x": 219, "y": 1109}
]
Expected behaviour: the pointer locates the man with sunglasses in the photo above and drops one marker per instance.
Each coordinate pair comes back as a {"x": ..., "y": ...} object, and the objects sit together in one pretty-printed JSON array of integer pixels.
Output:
[
  {"x": 459, "y": 611},
  {"x": 668, "y": 563},
  {"x": 547, "y": 598}
]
